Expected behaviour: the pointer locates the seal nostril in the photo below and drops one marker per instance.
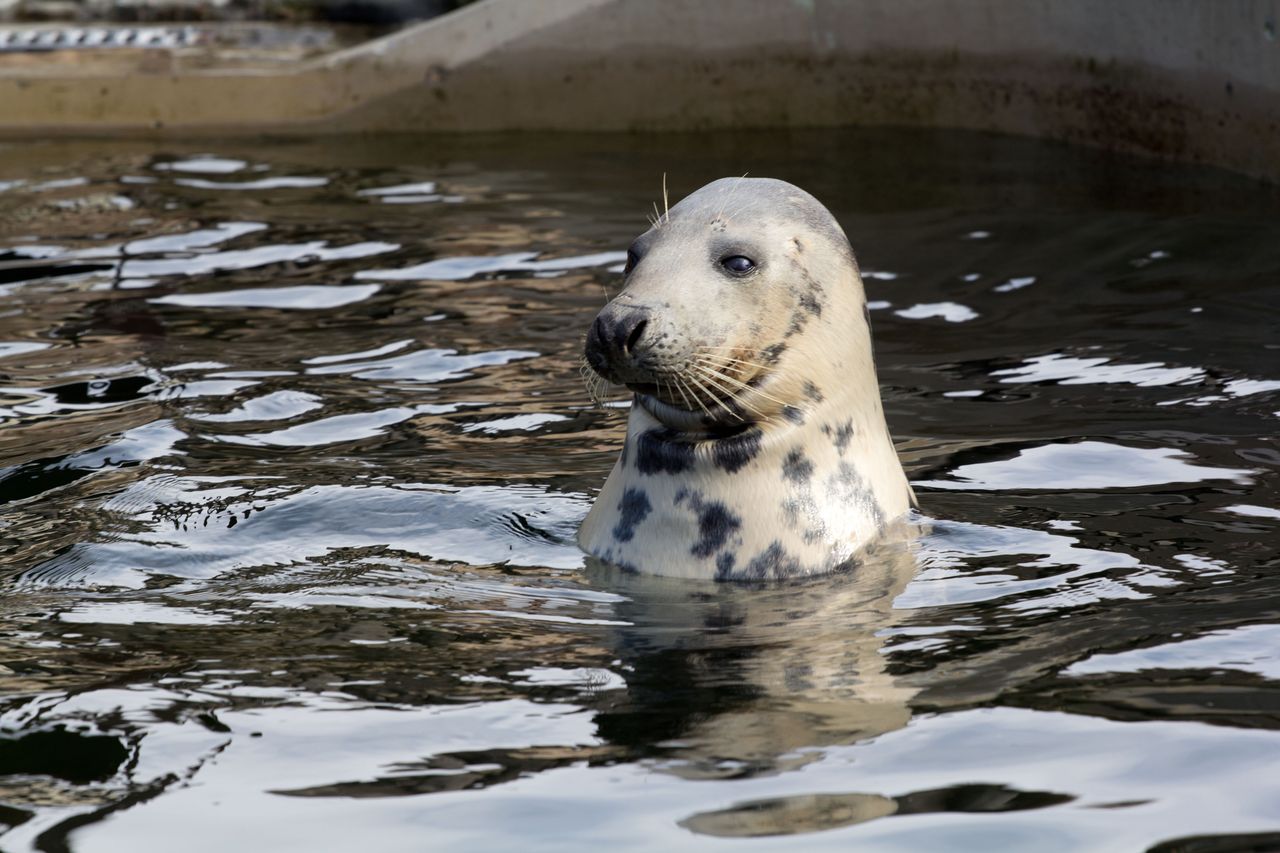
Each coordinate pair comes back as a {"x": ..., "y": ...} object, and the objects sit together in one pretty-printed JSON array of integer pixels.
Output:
[{"x": 634, "y": 337}]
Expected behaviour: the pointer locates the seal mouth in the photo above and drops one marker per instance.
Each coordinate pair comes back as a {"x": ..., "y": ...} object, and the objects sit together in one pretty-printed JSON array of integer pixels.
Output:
[
  {"x": 686, "y": 421},
  {"x": 712, "y": 399},
  {"x": 712, "y": 388},
  {"x": 708, "y": 397}
]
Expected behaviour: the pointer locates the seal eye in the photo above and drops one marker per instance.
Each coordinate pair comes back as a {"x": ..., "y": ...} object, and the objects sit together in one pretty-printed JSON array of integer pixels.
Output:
[
  {"x": 738, "y": 264},
  {"x": 632, "y": 260}
]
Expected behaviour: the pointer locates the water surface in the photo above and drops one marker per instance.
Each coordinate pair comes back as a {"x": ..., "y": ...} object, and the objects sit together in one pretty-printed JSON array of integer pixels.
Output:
[{"x": 293, "y": 448}]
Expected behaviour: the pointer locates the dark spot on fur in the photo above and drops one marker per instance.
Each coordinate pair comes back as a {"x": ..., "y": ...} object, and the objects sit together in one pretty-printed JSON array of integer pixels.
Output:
[
  {"x": 811, "y": 303},
  {"x": 772, "y": 562},
  {"x": 610, "y": 557},
  {"x": 812, "y": 392},
  {"x": 796, "y": 467},
  {"x": 813, "y": 295},
  {"x": 632, "y": 509},
  {"x": 771, "y": 354},
  {"x": 680, "y": 495},
  {"x": 791, "y": 413},
  {"x": 623, "y": 458},
  {"x": 796, "y": 326},
  {"x": 724, "y": 565},
  {"x": 659, "y": 451},
  {"x": 823, "y": 223},
  {"x": 847, "y": 487},
  {"x": 841, "y": 435},
  {"x": 791, "y": 508},
  {"x": 733, "y": 453},
  {"x": 800, "y": 509},
  {"x": 715, "y": 524},
  {"x": 798, "y": 244}
]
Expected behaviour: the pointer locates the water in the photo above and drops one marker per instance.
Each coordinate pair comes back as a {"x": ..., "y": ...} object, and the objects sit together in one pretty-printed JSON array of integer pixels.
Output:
[{"x": 294, "y": 449}]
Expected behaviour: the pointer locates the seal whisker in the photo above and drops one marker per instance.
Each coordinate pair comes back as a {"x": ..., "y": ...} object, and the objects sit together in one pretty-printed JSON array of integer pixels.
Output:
[
  {"x": 728, "y": 365},
  {"x": 736, "y": 383},
  {"x": 729, "y": 195},
  {"x": 666, "y": 386},
  {"x": 745, "y": 203},
  {"x": 675, "y": 382},
  {"x": 597, "y": 386},
  {"x": 741, "y": 373},
  {"x": 730, "y": 360},
  {"x": 721, "y": 370},
  {"x": 740, "y": 460},
  {"x": 681, "y": 384},
  {"x": 593, "y": 392},
  {"x": 740, "y": 384},
  {"x": 714, "y": 379},
  {"x": 696, "y": 398},
  {"x": 737, "y": 369},
  {"x": 702, "y": 351},
  {"x": 709, "y": 347},
  {"x": 714, "y": 397}
]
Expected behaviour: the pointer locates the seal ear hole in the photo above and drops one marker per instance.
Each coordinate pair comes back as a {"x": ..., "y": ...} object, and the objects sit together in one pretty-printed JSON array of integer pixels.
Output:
[{"x": 738, "y": 264}]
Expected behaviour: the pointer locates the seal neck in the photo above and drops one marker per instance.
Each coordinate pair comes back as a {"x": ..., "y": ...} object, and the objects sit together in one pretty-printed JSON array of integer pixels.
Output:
[
  {"x": 779, "y": 498},
  {"x": 657, "y": 447}
]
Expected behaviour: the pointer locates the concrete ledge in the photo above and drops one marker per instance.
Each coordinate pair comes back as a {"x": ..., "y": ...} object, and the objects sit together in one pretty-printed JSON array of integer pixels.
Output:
[{"x": 1183, "y": 79}]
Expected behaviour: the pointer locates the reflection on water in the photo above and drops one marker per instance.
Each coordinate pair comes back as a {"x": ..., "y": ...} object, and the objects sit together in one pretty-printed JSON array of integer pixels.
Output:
[
  {"x": 293, "y": 449},
  {"x": 1084, "y": 465}
]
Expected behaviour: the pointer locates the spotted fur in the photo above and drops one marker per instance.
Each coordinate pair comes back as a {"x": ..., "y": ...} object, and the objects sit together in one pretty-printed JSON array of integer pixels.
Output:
[
  {"x": 786, "y": 467},
  {"x": 661, "y": 451},
  {"x": 632, "y": 510}
]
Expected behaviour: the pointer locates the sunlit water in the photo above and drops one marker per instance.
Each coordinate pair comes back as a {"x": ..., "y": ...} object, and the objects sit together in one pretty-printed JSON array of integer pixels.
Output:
[{"x": 295, "y": 448}]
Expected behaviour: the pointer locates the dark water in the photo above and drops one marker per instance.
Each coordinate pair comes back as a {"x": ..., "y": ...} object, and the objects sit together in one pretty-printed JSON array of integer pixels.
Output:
[{"x": 294, "y": 449}]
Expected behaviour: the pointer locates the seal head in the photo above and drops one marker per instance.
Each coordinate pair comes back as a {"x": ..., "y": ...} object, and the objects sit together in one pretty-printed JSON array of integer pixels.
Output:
[{"x": 756, "y": 445}]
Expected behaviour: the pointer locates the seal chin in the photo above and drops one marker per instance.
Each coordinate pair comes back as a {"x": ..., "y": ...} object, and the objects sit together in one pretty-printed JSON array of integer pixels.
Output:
[{"x": 683, "y": 420}]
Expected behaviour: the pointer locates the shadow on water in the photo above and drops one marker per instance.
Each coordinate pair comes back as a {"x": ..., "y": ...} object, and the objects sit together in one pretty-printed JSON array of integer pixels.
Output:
[{"x": 293, "y": 448}]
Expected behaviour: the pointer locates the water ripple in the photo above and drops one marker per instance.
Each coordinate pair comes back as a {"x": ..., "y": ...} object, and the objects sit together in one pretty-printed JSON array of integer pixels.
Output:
[
  {"x": 1086, "y": 465},
  {"x": 304, "y": 578},
  {"x": 309, "y": 297}
]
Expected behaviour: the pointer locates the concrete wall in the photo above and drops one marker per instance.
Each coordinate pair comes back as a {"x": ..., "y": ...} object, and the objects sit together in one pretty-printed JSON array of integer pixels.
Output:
[{"x": 1192, "y": 80}]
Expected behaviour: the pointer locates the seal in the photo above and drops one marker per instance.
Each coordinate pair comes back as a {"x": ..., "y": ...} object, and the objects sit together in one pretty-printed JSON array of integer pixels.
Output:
[{"x": 756, "y": 444}]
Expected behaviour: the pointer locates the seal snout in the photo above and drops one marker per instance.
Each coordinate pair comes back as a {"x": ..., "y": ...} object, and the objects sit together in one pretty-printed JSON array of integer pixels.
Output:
[{"x": 617, "y": 345}]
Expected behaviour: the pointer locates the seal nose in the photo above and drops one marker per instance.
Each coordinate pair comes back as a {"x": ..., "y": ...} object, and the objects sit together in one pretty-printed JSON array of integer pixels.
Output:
[
  {"x": 633, "y": 338},
  {"x": 615, "y": 339}
]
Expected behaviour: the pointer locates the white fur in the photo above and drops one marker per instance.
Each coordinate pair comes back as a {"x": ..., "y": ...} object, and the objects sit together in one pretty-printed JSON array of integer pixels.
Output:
[{"x": 770, "y": 519}]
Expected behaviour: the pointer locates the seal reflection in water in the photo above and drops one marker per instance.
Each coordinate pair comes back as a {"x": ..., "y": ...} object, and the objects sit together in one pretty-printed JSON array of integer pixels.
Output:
[
  {"x": 737, "y": 681},
  {"x": 747, "y": 679},
  {"x": 756, "y": 446}
]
